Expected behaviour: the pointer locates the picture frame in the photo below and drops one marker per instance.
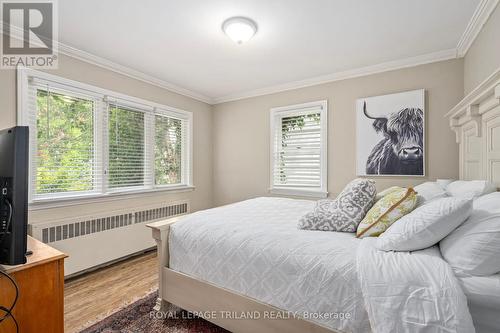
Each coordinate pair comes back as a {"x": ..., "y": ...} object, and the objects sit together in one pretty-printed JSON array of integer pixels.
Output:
[{"x": 390, "y": 135}]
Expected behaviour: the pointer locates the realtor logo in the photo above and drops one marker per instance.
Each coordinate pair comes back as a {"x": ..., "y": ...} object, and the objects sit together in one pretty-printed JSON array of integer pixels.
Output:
[{"x": 29, "y": 34}]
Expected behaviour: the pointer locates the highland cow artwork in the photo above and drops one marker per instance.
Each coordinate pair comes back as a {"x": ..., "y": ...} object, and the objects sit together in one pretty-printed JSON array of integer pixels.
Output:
[{"x": 391, "y": 134}]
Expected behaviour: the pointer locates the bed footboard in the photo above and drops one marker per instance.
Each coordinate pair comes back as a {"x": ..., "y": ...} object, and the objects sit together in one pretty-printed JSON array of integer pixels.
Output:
[
  {"x": 161, "y": 230},
  {"x": 195, "y": 295}
]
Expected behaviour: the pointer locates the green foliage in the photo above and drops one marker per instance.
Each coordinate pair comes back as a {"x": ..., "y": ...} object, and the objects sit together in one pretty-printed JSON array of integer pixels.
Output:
[
  {"x": 289, "y": 125},
  {"x": 296, "y": 123},
  {"x": 65, "y": 143},
  {"x": 168, "y": 146},
  {"x": 65, "y": 137},
  {"x": 126, "y": 147}
]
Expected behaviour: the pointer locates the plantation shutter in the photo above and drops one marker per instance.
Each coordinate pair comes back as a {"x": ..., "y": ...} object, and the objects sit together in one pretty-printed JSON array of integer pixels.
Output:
[
  {"x": 64, "y": 158},
  {"x": 299, "y": 140},
  {"x": 127, "y": 147}
]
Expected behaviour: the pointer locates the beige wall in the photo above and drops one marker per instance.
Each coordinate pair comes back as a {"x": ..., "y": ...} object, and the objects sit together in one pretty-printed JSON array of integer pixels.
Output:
[
  {"x": 483, "y": 57},
  {"x": 231, "y": 140},
  {"x": 241, "y": 129},
  {"x": 71, "y": 68}
]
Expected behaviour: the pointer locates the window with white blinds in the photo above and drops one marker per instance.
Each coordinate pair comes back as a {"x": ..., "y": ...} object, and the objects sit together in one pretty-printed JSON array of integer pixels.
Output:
[
  {"x": 86, "y": 141},
  {"x": 170, "y": 158},
  {"x": 64, "y": 157},
  {"x": 126, "y": 164},
  {"x": 298, "y": 149}
]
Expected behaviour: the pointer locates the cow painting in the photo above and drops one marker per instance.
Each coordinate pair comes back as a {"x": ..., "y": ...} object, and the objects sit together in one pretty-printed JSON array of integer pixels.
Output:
[
  {"x": 398, "y": 148},
  {"x": 402, "y": 149}
]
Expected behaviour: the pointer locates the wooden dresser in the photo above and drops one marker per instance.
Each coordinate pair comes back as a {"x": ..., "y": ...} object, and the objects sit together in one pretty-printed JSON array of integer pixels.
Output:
[{"x": 40, "y": 307}]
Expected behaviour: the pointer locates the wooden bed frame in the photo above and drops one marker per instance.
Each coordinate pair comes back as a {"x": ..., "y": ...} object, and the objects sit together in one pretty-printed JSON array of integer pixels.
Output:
[
  {"x": 476, "y": 122},
  {"x": 199, "y": 296}
]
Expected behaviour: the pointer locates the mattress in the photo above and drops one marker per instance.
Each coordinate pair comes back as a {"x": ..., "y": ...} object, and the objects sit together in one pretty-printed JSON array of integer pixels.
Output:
[
  {"x": 255, "y": 249},
  {"x": 483, "y": 298}
]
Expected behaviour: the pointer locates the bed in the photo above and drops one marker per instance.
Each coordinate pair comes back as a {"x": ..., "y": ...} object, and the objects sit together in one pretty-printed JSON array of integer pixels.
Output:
[
  {"x": 483, "y": 294},
  {"x": 247, "y": 268},
  {"x": 255, "y": 249}
]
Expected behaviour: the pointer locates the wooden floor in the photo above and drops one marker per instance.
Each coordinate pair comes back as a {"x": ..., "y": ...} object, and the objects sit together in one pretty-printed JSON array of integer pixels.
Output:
[{"x": 93, "y": 296}]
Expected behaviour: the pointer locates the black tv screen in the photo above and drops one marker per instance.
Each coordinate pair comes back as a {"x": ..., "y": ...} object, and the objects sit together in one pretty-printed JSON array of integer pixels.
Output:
[{"x": 14, "y": 157}]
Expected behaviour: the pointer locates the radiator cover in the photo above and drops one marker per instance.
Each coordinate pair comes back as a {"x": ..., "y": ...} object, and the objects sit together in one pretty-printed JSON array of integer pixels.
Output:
[{"x": 94, "y": 240}]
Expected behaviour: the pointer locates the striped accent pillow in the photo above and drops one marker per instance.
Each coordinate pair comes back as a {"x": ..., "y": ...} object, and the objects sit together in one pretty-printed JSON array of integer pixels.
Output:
[{"x": 396, "y": 204}]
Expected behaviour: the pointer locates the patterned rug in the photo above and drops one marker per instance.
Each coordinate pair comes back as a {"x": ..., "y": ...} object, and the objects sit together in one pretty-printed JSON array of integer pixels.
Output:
[{"x": 139, "y": 317}]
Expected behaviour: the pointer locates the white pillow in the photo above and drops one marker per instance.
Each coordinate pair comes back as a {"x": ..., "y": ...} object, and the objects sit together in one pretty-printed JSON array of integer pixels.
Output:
[
  {"x": 470, "y": 188},
  {"x": 474, "y": 247},
  {"x": 444, "y": 182},
  {"x": 426, "y": 225},
  {"x": 489, "y": 203},
  {"x": 429, "y": 191}
]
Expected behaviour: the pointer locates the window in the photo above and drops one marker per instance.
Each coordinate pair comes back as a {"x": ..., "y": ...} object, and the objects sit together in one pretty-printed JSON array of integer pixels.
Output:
[
  {"x": 86, "y": 141},
  {"x": 169, "y": 155},
  {"x": 298, "y": 149},
  {"x": 126, "y": 167},
  {"x": 65, "y": 143}
]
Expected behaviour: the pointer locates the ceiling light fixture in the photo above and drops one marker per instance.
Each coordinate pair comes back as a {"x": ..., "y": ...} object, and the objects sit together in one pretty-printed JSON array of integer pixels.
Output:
[{"x": 239, "y": 29}]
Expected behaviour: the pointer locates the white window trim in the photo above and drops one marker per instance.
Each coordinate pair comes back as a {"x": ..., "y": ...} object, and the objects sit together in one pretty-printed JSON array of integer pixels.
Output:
[
  {"x": 322, "y": 192},
  {"x": 25, "y": 74},
  {"x": 93, "y": 199}
]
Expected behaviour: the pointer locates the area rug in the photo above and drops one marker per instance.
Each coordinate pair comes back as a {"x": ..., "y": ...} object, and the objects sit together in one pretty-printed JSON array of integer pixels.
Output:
[{"x": 139, "y": 317}]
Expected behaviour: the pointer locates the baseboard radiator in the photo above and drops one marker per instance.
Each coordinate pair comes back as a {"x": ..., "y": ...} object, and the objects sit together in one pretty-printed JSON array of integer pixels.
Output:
[{"x": 92, "y": 241}]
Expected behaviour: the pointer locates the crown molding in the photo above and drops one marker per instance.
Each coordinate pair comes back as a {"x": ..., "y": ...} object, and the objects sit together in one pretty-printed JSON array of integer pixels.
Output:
[
  {"x": 481, "y": 14},
  {"x": 476, "y": 23},
  {"x": 488, "y": 87},
  {"x": 349, "y": 74},
  {"x": 132, "y": 73},
  {"x": 90, "y": 58}
]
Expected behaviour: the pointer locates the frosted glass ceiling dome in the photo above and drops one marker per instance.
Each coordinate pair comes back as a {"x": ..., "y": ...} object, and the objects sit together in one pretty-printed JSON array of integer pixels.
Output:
[{"x": 239, "y": 29}]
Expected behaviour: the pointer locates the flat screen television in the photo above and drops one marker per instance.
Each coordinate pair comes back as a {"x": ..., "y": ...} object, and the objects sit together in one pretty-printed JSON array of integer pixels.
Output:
[{"x": 14, "y": 157}]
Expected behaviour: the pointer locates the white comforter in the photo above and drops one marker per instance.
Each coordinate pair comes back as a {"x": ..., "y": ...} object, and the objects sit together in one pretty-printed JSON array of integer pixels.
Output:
[
  {"x": 411, "y": 291},
  {"x": 254, "y": 248}
]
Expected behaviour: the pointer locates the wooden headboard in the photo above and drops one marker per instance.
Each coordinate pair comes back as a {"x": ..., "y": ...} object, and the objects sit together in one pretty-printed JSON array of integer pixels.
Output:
[{"x": 476, "y": 122}]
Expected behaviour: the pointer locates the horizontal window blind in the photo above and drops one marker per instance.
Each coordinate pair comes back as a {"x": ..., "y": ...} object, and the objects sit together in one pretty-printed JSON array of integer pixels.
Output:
[
  {"x": 62, "y": 124},
  {"x": 86, "y": 141},
  {"x": 298, "y": 148},
  {"x": 126, "y": 138},
  {"x": 170, "y": 143}
]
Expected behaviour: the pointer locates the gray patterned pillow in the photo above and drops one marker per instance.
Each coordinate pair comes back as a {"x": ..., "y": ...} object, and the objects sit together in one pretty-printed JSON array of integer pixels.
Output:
[{"x": 345, "y": 212}]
